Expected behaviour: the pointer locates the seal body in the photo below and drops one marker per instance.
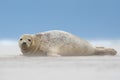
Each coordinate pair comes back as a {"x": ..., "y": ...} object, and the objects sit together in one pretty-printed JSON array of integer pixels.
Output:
[{"x": 58, "y": 43}]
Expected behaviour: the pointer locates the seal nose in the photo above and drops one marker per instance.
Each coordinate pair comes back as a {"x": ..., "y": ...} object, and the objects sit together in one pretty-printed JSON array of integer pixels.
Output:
[{"x": 24, "y": 43}]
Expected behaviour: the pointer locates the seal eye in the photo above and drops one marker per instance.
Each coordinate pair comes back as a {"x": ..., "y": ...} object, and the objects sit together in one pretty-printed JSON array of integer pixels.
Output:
[
  {"x": 29, "y": 40},
  {"x": 21, "y": 39}
]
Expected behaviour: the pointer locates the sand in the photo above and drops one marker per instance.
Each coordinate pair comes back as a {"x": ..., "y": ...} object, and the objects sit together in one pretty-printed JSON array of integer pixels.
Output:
[{"x": 60, "y": 68}]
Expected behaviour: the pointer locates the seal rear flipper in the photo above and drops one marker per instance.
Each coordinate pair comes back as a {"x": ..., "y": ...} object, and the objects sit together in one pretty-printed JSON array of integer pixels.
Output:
[{"x": 105, "y": 51}]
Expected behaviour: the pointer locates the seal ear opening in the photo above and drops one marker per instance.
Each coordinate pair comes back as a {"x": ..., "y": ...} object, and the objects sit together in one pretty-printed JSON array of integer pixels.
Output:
[
  {"x": 33, "y": 39},
  {"x": 38, "y": 35}
]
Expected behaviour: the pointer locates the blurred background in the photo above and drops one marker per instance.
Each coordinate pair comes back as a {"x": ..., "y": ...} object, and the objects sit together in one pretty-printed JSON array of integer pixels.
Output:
[{"x": 89, "y": 19}]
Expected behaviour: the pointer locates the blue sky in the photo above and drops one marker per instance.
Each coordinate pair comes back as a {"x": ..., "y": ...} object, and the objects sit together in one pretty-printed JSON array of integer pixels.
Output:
[{"x": 88, "y": 19}]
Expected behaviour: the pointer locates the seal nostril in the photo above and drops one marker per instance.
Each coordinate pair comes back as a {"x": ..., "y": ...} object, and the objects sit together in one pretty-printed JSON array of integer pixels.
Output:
[{"x": 24, "y": 42}]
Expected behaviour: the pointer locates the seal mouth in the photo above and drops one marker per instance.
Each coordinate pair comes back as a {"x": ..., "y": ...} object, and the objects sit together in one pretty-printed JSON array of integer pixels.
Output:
[{"x": 24, "y": 46}]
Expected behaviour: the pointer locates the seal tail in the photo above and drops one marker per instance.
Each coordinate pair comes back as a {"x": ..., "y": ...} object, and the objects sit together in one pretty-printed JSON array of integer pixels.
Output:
[{"x": 105, "y": 51}]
